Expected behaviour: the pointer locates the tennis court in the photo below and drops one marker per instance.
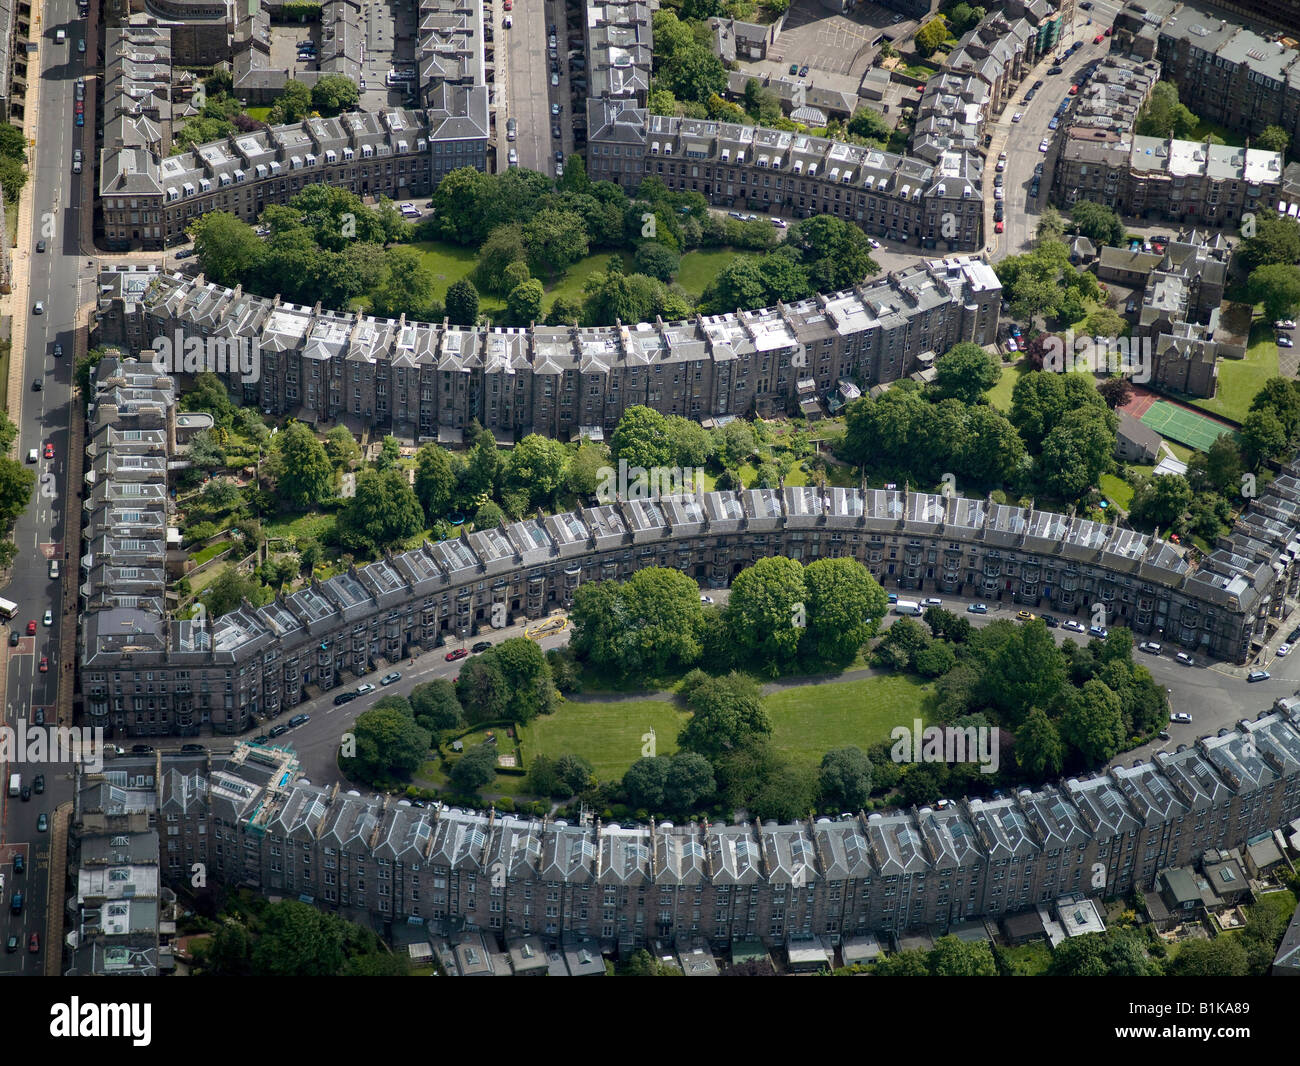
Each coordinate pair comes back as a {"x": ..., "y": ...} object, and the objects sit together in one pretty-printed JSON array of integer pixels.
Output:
[{"x": 1184, "y": 426}]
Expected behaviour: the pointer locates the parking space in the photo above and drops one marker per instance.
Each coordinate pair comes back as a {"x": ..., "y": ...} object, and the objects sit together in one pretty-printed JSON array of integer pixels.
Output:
[{"x": 834, "y": 44}]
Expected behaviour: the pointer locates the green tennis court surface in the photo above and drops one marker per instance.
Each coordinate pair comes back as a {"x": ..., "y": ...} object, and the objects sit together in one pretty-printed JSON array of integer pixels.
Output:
[{"x": 1181, "y": 425}]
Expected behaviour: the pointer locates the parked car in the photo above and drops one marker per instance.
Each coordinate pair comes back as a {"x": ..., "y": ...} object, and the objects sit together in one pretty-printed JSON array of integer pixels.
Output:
[
  {"x": 1181, "y": 717},
  {"x": 11, "y": 945},
  {"x": 1050, "y": 621},
  {"x": 1044, "y": 145},
  {"x": 389, "y": 679},
  {"x": 1284, "y": 341},
  {"x": 44, "y": 666},
  {"x": 999, "y": 226},
  {"x": 1100, "y": 632},
  {"x": 1184, "y": 659},
  {"x": 1284, "y": 323},
  {"x": 933, "y": 601},
  {"x": 1017, "y": 116},
  {"x": 1258, "y": 675},
  {"x": 42, "y": 823},
  {"x": 1163, "y": 734},
  {"x": 38, "y": 716},
  {"x": 1073, "y": 626},
  {"x": 794, "y": 68},
  {"x": 1054, "y": 70},
  {"x": 1026, "y": 616},
  {"x": 339, "y": 700},
  {"x": 481, "y": 646},
  {"x": 192, "y": 749},
  {"x": 977, "y": 608},
  {"x": 1283, "y": 650},
  {"x": 49, "y": 449},
  {"x": 280, "y": 730},
  {"x": 299, "y": 719},
  {"x": 26, "y": 793},
  {"x": 48, "y": 617},
  {"x": 803, "y": 71},
  {"x": 1150, "y": 647},
  {"x": 363, "y": 689},
  {"x": 31, "y": 628},
  {"x": 18, "y": 864},
  {"x": 14, "y": 638},
  {"x": 458, "y": 653}
]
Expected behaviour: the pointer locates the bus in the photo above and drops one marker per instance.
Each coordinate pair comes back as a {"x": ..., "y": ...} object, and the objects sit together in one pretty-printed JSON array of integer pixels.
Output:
[{"x": 8, "y": 608}]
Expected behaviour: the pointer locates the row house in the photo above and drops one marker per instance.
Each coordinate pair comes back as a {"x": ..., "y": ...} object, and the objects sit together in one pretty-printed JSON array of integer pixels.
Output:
[
  {"x": 428, "y": 381},
  {"x": 254, "y": 823},
  {"x": 143, "y": 674},
  {"x": 618, "y": 39}
]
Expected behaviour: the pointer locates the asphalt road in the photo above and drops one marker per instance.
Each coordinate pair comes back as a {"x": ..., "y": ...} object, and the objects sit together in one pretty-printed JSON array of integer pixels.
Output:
[
  {"x": 55, "y": 279},
  {"x": 1021, "y": 140},
  {"x": 526, "y": 71}
]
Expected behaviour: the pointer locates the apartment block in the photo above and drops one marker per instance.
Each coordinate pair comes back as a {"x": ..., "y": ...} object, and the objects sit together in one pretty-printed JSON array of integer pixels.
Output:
[{"x": 253, "y": 823}]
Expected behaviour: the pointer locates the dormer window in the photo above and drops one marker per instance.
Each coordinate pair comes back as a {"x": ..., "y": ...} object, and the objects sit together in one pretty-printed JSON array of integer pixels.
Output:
[{"x": 367, "y": 151}]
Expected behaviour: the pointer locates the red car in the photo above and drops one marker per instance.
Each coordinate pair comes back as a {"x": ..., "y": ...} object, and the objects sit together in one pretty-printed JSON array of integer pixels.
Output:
[
  {"x": 49, "y": 449},
  {"x": 998, "y": 227},
  {"x": 452, "y": 656},
  {"x": 1109, "y": 31},
  {"x": 31, "y": 629},
  {"x": 45, "y": 664},
  {"x": 34, "y": 943},
  {"x": 1097, "y": 39},
  {"x": 509, "y": 5}
]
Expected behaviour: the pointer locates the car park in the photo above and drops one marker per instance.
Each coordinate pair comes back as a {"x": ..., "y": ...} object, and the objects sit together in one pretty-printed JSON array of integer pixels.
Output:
[
  {"x": 1258, "y": 675},
  {"x": 1150, "y": 647},
  {"x": 458, "y": 653},
  {"x": 299, "y": 719},
  {"x": 977, "y": 608},
  {"x": 340, "y": 699}
]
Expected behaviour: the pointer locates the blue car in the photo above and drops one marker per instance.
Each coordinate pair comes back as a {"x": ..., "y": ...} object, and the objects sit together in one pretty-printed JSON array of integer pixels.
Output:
[
  {"x": 1098, "y": 631},
  {"x": 978, "y": 608},
  {"x": 1014, "y": 331},
  {"x": 893, "y": 597}
]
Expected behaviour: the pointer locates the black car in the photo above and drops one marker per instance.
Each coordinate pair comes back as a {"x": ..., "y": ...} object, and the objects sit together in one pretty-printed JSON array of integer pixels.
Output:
[
  {"x": 342, "y": 698},
  {"x": 192, "y": 747},
  {"x": 141, "y": 749},
  {"x": 11, "y": 945},
  {"x": 1054, "y": 70},
  {"x": 278, "y": 731},
  {"x": 18, "y": 864},
  {"x": 482, "y": 645},
  {"x": 39, "y": 784},
  {"x": 14, "y": 638},
  {"x": 1039, "y": 84},
  {"x": 300, "y": 719},
  {"x": 1049, "y": 621},
  {"x": 803, "y": 71},
  {"x": 261, "y": 738},
  {"x": 27, "y": 793},
  {"x": 1295, "y": 636},
  {"x": 40, "y": 246},
  {"x": 555, "y": 132},
  {"x": 559, "y": 156},
  {"x": 37, "y": 384}
]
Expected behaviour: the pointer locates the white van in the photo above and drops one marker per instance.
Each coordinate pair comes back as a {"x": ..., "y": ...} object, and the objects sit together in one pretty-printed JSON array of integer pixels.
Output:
[
  {"x": 907, "y": 607},
  {"x": 15, "y": 784},
  {"x": 60, "y": 36},
  {"x": 34, "y": 456}
]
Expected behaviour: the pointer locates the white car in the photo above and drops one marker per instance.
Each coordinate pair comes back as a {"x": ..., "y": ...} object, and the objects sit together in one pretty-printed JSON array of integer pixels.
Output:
[
  {"x": 1017, "y": 116},
  {"x": 873, "y": 242},
  {"x": 999, "y": 193},
  {"x": 1283, "y": 341},
  {"x": 1283, "y": 650},
  {"x": 39, "y": 309},
  {"x": 1073, "y": 626},
  {"x": 933, "y": 601},
  {"x": 363, "y": 689},
  {"x": 1043, "y": 145},
  {"x": 1181, "y": 716},
  {"x": 508, "y": 22},
  {"x": 49, "y": 618},
  {"x": 1002, "y": 165},
  {"x": 1150, "y": 647},
  {"x": 1284, "y": 323},
  {"x": 706, "y": 599}
]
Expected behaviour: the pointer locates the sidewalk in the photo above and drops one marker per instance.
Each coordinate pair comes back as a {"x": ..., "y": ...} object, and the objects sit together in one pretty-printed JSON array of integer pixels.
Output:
[{"x": 56, "y": 880}]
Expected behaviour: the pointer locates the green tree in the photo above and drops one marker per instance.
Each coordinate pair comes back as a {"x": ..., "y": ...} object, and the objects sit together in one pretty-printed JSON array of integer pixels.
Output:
[
  {"x": 1262, "y": 438},
  {"x": 333, "y": 93},
  {"x": 229, "y": 591},
  {"x": 1039, "y": 750},
  {"x": 844, "y": 779},
  {"x": 462, "y": 303},
  {"x": 766, "y": 612},
  {"x": 843, "y": 605},
  {"x": 1161, "y": 501},
  {"x": 436, "y": 707},
  {"x": 1277, "y": 287},
  {"x": 407, "y": 287},
  {"x": 434, "y": 480},
  {"x": 1221, "y": 957},
  {"x": 383, "y": 512},
  {"x": 292, "y": 105},
  {"x": 644, "y": 782},
  {"x": 1079, "y": 450},
  {"x": 1164, "y": 115},
  {"x": 641, "y": 439},
  {"x": 229, "y": 249},
  {"x": 1273, "y": 139},
  {"x": 511, "y": 681},
  {"x": 301, "y": 467},
  {"x": 688, "y": 782},
  {"x": 17, "y": 484},
  {"x": 930, "y": 36},
  {"x": 965, "y": 372},
  {"x": 555, "y": 240},
  {"x": 726, "y": 714},
  {"x": 524, "y": 303},
  {"x": 1098, "y": 223},
  {"x": 1276, "y": 240},
  {"x": 389, "y": 743},
  {"x": 342, "y": 448},
  {"x": 297, "y": 940},
  {"x": 537, "y": 465},
  {"x": 1093, "y": 724},
  {"x": 954, "y": 957},
  {"x": 869, "y": 123},
  {"x": 475, "y": 768}
]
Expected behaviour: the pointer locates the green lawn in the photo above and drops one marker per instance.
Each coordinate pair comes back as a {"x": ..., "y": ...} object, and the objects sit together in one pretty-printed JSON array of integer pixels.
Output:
[
  {"x": 608, "y": 735},
  {"x": 810, "y": 720},
  {"x": 1117, "y": 490},
  {"x": 1204, "y": 128},
  {"x": 1240, "y": 379},
  {"x": 1000, "y": 395},
  {"x": 262, "y": 114},
  {"x": 1029, "y": 960},
  {"x": 210, "y": 552},
  {"x": 570, "y": 285},
  {"x": 701, "y": 267},
  {"x": 316, "y": 525}
]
